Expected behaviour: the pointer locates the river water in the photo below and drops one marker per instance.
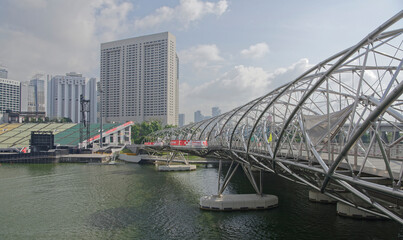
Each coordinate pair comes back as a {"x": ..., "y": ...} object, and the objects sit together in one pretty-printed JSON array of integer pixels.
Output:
[{"x": 130, "y": 201}]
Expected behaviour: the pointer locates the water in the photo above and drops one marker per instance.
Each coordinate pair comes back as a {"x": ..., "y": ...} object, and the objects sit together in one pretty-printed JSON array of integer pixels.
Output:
[{"x": 79, "y": 201}]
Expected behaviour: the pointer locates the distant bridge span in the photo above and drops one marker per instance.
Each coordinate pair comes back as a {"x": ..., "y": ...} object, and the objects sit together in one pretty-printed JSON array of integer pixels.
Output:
[{"x": 337, "y": 128}]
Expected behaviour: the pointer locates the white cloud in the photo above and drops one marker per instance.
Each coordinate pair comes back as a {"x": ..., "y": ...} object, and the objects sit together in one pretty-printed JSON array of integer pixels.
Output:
[
  {"x": 201, "y": 56},
  {"x": 258, "y": 50},
  {"x": 58, "y": 36},
  {"x": 288, "y": 74},
  {"x": 186, "y": 12},
  {"x": 112, "y": 19},
  {"x": 233, "y": 88},
  {"x": 236, "y": 87}
]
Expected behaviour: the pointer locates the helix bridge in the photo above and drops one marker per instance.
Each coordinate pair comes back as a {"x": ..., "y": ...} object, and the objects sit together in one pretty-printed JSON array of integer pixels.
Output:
[{"x": 337, "y": 128}]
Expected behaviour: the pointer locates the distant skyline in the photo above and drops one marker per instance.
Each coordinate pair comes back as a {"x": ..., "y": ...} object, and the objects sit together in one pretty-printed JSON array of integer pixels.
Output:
[{"x": 230, "y": 52}]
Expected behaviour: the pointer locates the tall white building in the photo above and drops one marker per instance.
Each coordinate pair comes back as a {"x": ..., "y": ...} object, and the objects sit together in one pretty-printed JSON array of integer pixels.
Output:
[
  {"x": 139, "y": 77},
  {"x": 64, "y": 96},
  {"x": 10, "y": 92}
]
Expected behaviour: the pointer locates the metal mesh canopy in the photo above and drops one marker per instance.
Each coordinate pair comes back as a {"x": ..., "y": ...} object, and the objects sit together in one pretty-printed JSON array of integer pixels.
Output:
[
  {"x": 317, "y": 127},
  {"x": 337, "y": 128}
]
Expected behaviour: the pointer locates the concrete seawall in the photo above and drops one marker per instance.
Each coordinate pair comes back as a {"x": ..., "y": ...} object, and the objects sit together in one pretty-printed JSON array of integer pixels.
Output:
[{"x": 52, "y": 158}]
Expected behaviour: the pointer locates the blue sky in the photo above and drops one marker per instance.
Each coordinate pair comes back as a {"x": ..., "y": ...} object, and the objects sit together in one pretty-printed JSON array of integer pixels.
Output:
[{"x": 231, "y": 51}]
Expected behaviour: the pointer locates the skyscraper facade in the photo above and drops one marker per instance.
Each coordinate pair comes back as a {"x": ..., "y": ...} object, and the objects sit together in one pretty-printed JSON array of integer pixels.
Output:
[
  {"x": 36, "y": 94},
  {"x": 24, "y": 96},
  {"x": 64, "y": 96},
  {"x": 10, "y": 92},
  {"x": 215, "y": 111},
  {"x": 139, "y": 79},
  {"x": 181, "y": 120},
  {"x": 198, "y": 116},
  {"x": 33, "y": 94}
]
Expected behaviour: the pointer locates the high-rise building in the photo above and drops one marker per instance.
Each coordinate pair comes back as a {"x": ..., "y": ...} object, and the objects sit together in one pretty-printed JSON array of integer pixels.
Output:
[
  {"x": 98, "y": 101},
  {"x": 64, "y": 96},
  {"x": 91, "y": 88},
  {"x": 181, "y": 119},
  {"x": 206, "y": 117},
  {"x": 37, "y": 94},
  {"x": 139, "y": 77},
  {"x": 198, "y": 116},
  {"x": 10, "y": 92},
  {"x": 3, "y": 72},
  {"x": 215, "y": 111},
  {"x": 24, "y": 96}
]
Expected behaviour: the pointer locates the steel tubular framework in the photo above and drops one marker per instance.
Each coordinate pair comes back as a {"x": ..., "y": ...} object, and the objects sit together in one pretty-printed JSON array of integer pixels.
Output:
[{"x": 337, "y": 128}]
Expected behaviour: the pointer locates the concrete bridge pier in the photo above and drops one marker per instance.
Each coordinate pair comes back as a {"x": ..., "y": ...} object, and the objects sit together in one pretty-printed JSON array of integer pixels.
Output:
[
  {"x": 349, "y": 211},
  {"x": 316, "y": 196},
  {"x": 231, "y": 202},
  {"x": 343, "y": 209},
  {"x": 176, "y": 167},
  {"x": 346, "y": 210}
]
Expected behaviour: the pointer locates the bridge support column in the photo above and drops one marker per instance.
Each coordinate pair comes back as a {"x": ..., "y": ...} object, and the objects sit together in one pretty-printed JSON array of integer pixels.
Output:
[
  {"x": 349, "y": 211},
  {"x": 231, "y": 202},
  {"x": 319, "y": 197},
  {"x": 176, "y": 167}
]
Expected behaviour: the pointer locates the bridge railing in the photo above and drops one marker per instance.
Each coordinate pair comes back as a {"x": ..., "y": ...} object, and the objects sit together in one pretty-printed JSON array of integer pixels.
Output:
[{"x": 330, "y": 128}]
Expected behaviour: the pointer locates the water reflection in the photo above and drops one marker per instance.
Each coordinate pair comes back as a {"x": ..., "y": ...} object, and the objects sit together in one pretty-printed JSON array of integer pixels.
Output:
[
  {"x": 113, "y": 218},
  {"x": 78, "y": 201}
]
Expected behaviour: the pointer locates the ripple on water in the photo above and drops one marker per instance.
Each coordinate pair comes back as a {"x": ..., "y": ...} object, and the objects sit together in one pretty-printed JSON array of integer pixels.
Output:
[
  {"x": 137, "y": 202},
  {"x": 112, "y": 218}
]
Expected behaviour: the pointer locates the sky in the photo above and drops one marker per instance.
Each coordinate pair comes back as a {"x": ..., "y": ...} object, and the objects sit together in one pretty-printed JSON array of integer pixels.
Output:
[{"x": 230, "y": 51}]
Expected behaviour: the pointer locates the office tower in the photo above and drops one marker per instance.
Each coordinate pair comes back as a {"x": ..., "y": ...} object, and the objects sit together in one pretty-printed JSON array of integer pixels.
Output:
[
  {"x": 181, "y": 119},
  {"x": 215, "y": 111},
  {"x": 98, "y": 101},
  {"x": 92, "y": 96},
  {"x": 3, "y": 72},
  {"x": 139, "y": 77},
  {"x": 10, "y": 92},
  {"x": 64, "y": 96},
  {"x": 37, "y": 94},
  {"x": 24, "y": 96},
  {"x": 198, "y": 116}
]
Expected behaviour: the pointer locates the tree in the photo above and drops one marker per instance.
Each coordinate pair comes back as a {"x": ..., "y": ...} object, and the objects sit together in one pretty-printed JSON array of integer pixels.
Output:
[
  {"x": 141, "y": 130},
  {"x": 65, "y": 120},
  {"x": 169, "y": 126}
]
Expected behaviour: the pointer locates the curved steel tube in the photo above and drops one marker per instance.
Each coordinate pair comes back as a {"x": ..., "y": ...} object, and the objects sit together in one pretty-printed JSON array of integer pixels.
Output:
[{"x": 316, "y": 128}]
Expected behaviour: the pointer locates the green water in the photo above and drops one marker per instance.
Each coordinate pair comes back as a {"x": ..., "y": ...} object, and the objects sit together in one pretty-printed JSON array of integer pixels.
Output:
[{"x": 80, "y": 201}]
